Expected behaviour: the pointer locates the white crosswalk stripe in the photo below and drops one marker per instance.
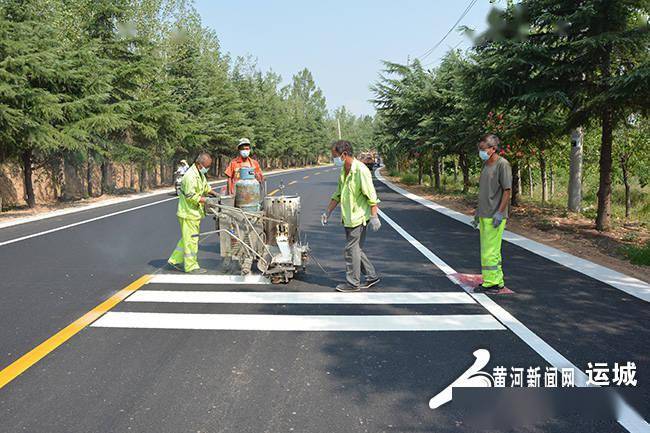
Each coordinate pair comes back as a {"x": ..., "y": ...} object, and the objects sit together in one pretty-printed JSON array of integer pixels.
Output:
[
  {"x": 208, "y": 279},
  {"x": 288, "y": 322},
  {"x": 271, "y": 322},
  {"x": 204, "y": 297}
]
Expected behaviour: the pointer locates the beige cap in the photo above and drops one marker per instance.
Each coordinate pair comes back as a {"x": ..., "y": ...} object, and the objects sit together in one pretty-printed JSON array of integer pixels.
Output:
[{"x": 243, "y": 141}]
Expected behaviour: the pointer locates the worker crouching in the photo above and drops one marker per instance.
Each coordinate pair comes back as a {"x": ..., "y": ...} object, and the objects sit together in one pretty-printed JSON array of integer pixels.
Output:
[{"x": 194, "y": 189}]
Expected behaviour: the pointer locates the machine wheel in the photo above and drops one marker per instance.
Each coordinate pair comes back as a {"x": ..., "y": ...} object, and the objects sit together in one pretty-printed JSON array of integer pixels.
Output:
[
  {"x": 263, "y": 265},
  {"x": 282, "y": 277}
]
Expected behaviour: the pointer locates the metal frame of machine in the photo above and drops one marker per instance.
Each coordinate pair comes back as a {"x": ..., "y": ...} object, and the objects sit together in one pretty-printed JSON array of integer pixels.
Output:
[{"x": 267, "y": 231}]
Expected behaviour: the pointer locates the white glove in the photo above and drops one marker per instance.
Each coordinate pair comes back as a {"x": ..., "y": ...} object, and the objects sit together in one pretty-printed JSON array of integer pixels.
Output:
[
  {"x": 475, "y": 222},
  {"x": 323, "y": 219},
  {"x": 375, "y": 224},
  {"x": 497, "y": 218}
]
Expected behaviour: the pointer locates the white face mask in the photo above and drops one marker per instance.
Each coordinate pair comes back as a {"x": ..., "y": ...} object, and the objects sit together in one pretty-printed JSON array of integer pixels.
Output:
[
  {"x": 338, "y": 160},
  {"x": 245, "y": 153}
]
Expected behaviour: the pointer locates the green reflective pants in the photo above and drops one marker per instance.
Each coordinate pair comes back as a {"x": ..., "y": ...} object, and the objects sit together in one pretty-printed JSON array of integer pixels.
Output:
[
  {"x": 188, "y": 247},
  {"x": 491, "y": 252}
]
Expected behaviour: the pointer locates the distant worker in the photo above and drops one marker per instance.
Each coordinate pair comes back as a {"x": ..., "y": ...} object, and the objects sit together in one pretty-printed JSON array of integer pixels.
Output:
[
  {"x": 358, "y": 198},
  {"x": 194, "y": 189},
  {"x": 178, "y": 175},
  {"x": 495, "y": 186},
  {"x": 242, "y": 160},
  {"x": 183, "y": 166}
]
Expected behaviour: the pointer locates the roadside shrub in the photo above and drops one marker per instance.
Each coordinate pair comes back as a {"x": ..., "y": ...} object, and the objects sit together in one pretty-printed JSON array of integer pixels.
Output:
[
  {"x": 630, "y": 237},
  {"x": 546, "y": 224},
  {"x": 639, "y": 255},
  {"x": 589, "y": 212},
  {"x": 409, "y": 178},
  {"x": 644, "y": 213},
  {"x": 637, "y": 196}
]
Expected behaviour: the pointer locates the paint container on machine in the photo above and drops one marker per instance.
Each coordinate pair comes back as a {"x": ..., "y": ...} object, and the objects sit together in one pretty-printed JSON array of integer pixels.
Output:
[
  {"x": 285, "y": 208},
  {"x": 247, "y": 190}
]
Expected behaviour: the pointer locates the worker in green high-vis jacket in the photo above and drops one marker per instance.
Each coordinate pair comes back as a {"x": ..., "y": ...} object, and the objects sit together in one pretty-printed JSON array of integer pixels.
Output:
[
  {"x": 356, "y": 194},
  {"x": 495, "y": 186},
  {"x": 191, "y": 200}
]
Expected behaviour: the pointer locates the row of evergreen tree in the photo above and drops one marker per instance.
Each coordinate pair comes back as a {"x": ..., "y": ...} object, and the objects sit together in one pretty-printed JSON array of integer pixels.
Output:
[
  {"x": 544, "y": 68},
  {"x": 141, "y": 82}
]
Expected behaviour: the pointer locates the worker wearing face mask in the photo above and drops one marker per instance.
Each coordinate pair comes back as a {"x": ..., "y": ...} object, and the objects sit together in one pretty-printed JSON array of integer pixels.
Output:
[
  {"x": 358, "y": 198},
  {"x": 494, "y": 191},
  {"x": 242, "y": 160},
  {"x": 194, "y": 189}
]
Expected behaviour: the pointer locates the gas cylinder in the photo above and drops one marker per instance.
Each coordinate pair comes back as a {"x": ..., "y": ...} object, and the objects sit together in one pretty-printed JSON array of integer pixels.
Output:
[{"x": 247, "y": 190}]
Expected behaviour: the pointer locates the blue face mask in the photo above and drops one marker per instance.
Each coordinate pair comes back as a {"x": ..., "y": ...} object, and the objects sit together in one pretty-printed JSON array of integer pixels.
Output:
[
  {"x": 203, "y": 170},
  {"x": 245, "y": 153},
  {"x": 338, "y": 161},
  {"x": 483, "y": 155}
]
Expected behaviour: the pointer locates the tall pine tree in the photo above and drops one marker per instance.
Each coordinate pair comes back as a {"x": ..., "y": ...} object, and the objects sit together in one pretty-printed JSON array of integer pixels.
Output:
[{"x": 50, "y": 97}]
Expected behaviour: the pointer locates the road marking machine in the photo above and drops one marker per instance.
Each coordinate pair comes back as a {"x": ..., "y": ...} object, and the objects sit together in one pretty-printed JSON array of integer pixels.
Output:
[{"x": 255, "y": 227}]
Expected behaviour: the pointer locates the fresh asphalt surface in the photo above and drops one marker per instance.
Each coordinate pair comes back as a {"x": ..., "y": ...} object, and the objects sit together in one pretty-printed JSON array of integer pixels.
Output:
[{"x": 163, "y": 380}]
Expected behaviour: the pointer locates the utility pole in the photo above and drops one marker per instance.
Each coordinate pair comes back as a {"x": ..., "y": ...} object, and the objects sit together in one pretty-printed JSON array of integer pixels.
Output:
[
  {"x": 338, "y": 123},
  {"x": 575, "y": 170}
]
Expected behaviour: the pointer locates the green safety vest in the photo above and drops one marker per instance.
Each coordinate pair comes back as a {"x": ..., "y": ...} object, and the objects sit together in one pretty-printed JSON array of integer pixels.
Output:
[{"x": 193, "y": 186}]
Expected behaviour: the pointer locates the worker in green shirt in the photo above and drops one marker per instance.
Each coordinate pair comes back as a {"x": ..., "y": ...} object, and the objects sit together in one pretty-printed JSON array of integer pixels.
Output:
[
  {"x": 194, "y": 189},
  {"x": 358, "y": 198},
  {"x": 494, "y": 190}
]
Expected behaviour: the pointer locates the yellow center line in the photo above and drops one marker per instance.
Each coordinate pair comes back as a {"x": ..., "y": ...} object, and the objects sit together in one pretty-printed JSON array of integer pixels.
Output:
[
  {"x": 306, "y": 177},
  {"x": 273, "y": 192},
  {"x": 292, "y": 182},
  {"x": 17, "y": 367}
]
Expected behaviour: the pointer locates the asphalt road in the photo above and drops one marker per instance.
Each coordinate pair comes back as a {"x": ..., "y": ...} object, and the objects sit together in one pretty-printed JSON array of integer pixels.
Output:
[{"x": 158, "y": 377}]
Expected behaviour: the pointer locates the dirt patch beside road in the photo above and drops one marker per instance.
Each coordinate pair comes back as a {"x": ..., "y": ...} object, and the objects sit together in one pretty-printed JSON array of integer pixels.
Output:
[{"x": 570, "y": 233}]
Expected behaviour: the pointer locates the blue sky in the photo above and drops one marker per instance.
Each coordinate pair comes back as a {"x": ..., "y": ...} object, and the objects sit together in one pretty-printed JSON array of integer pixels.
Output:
[{"x": 341, "y": 42}]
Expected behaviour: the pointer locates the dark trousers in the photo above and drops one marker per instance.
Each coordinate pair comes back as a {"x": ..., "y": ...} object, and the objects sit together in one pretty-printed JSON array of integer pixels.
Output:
[{"x": 356, "y": 261}]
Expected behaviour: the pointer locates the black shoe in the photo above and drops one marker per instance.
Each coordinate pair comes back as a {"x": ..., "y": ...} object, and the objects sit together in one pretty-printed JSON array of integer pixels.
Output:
[
  {"x": 175, "y": 266},
  {"x": 487, "y": 289},
  {"x": 345, "y": 287},
  {"x": 370, "y": 282},
  {"x": 197, "y": 271}
]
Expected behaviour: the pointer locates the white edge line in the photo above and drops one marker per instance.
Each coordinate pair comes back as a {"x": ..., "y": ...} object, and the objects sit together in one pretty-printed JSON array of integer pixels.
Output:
[
  {"x": 74, "y": 209},
  {"x": 272, "y": 322},
  {"x": 628, "y": 417},
  {"x": 78, "y": 223},
  {"x": 444, "y": 267},
  {"x": 630, "y": 285},
  {"x": 117, "y": 200},
  {"x": 98, "y": 205},
  {"x": 168, "y": 296}
]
